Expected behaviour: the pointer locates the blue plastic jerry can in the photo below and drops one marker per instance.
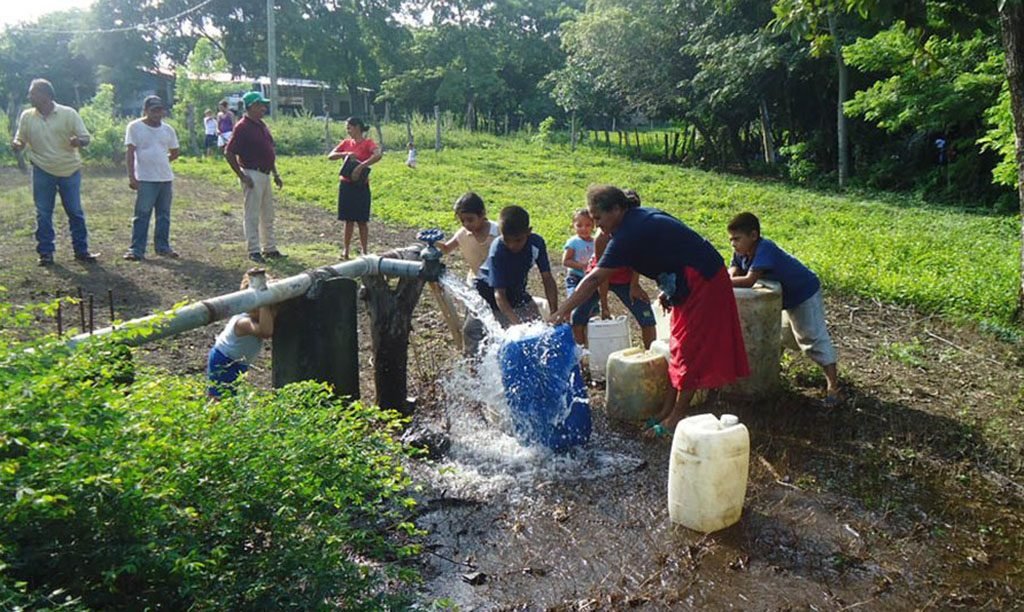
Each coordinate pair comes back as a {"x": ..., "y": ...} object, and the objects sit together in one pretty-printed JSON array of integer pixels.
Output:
[{"x": 544, "y": 389}]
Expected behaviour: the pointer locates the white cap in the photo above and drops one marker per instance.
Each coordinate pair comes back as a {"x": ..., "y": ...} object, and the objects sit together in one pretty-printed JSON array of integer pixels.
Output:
[{"x": 728, "y": 420}]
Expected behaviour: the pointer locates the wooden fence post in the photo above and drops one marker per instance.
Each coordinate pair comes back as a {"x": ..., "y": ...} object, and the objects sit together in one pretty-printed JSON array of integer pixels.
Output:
[
  {"x": 437, "y": 129},
  {"x": 390, "y": 313}
]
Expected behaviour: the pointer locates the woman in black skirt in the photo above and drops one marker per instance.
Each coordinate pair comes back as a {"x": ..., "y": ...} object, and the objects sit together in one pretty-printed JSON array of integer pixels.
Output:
[{"x": 359, "y": 153}]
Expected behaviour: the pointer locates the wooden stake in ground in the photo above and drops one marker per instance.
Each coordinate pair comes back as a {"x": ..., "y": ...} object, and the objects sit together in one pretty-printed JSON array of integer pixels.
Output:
[
  {"x": 390, "y": 313},
  {"x": 450, "y": 314}
]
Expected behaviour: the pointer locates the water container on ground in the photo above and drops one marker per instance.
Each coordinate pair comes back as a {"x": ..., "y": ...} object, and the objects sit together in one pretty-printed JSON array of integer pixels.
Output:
[
  {"x": 604, "y": 337},
  {"x": 662, "y": 321},
  {"x": 547, "y": 399},
  {"x": 543, "y": 307},
  {"x": 660, "y": 346},
  {"x": 760, "y": 309},
  {"x": 637, "y": 384},
  {"x": 707, "y": 472}
]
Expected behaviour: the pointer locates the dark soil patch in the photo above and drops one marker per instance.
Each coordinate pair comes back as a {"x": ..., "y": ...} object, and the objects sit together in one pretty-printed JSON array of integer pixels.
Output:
[{"x": 905, "y": 497}]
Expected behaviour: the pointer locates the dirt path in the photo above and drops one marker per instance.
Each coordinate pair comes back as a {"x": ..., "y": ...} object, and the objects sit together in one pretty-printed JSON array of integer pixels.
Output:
[{"x": 908, "y": 496}]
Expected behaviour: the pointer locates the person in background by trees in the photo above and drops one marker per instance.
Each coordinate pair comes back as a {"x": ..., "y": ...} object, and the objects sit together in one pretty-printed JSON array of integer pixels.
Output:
[
  {"x": 210, "y": 129},
  {"x": 53, "y": 134},
  {"x": 354, "y": 196},
  {"x": 225, "y": 124},
  {"x": 706, "y": 346},
  {"x": 151, "y": 147},
  {"x": 252, "y": 157}
]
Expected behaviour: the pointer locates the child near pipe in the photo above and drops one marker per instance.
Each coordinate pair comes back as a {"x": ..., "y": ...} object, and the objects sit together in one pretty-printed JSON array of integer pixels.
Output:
[
  {"x": 803, "y": 309},
  {"x": 502, "y": 279},
  {"x": 238, "y": 345},
  {"x": 475, "y": 236}
]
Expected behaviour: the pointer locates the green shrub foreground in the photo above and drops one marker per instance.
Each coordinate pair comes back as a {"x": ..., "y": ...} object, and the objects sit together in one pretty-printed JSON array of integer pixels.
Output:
[
  {"x": 962, "y": 263},
  {"x": 124, "y": 489}
]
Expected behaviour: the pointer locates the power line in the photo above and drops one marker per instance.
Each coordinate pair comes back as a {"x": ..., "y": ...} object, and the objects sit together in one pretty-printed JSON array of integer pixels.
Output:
[{"x": 140, "y": 26}]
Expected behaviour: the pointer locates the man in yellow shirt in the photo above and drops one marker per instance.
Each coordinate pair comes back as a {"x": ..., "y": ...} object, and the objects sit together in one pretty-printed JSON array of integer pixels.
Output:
[{"x": 53, "y": 134}]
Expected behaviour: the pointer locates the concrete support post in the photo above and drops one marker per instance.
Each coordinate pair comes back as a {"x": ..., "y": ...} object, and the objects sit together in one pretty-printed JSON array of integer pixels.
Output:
[{"x": 316, "y": 339}]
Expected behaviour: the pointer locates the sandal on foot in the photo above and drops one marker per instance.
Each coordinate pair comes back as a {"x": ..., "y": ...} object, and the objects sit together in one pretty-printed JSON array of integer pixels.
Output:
[{"x": 657, "y": 431}]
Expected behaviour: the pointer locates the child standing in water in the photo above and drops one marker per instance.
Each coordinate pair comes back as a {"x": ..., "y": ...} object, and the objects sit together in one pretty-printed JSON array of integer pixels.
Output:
[
  {"x": 803, "y": 309},
  {"x": 576, "y": 254},
  {"x": 475, "y": 236},
  {"x": 238, "y": 345}
]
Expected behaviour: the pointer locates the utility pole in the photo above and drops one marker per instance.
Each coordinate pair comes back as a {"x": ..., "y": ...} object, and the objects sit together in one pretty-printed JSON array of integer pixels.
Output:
[{"x": 272, "y": 57}]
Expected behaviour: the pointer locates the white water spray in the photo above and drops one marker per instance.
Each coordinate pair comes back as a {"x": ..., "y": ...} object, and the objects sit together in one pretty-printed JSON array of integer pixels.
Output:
[{"x": 485, "y": 459}]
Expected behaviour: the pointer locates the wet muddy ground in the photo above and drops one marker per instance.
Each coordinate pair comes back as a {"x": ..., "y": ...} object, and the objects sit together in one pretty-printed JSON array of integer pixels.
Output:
[{"x": 907, "y": 496}]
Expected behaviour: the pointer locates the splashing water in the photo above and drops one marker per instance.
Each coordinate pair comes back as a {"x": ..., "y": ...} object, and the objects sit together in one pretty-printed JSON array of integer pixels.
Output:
[{"x": 485, "y": 458}]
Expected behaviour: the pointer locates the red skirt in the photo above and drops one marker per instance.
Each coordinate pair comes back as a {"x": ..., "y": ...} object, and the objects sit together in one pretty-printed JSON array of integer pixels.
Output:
[{"x": 707, "y": 342}]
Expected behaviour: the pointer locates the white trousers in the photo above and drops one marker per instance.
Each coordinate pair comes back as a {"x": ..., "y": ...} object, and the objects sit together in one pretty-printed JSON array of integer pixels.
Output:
[{"x": 258, "y": 220}]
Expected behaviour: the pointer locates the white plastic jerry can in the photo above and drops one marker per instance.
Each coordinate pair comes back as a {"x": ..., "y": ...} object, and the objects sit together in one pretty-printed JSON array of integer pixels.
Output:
[
  {"x": 604, "y": 337},
  {"x": 707, "y": 472}
]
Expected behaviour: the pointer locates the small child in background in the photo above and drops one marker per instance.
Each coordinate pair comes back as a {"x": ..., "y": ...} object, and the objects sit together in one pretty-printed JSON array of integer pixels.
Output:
[
  {"x": 576, "y": 254},
  {"x": 238, "y": 345},
  {"x": 475, "y": 236},
  {"x": 803, "y": 308},
  {"x": 502, "y": 279},
  {"x": 210, "y": 127},
  {"x": 411, "y": 159}
]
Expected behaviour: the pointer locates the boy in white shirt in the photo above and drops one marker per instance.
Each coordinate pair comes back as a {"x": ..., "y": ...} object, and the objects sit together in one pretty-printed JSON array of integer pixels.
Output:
[
  {"x": 210, "y": 127},
  {"x": 152, "y": 146}
]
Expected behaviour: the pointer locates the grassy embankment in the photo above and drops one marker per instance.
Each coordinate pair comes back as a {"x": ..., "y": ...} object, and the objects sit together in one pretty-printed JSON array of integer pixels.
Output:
[{"x": 962, "y": 264}]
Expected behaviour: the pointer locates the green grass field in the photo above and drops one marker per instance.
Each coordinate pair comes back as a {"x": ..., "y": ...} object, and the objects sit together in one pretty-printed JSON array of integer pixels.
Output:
[{"x": 962, "y": 264}]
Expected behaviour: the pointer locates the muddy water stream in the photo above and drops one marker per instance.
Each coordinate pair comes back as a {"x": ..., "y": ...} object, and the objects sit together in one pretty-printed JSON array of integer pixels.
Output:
[{"x": 836, "y": 515}]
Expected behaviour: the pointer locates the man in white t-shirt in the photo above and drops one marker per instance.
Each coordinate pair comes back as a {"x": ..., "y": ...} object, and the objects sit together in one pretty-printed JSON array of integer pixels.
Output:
[{"x": 152, "y": 146}]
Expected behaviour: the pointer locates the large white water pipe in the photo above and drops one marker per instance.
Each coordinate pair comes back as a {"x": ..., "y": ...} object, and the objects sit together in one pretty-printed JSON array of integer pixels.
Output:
[{"x": 171, "y": 322}]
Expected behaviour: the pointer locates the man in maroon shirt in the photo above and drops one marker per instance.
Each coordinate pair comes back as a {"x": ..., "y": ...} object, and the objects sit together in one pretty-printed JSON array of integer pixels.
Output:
[{"x": 251, "y": 155}]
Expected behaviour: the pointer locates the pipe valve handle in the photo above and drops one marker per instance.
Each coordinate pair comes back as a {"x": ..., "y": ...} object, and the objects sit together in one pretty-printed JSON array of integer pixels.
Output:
[{"x": 430, "y": 236}]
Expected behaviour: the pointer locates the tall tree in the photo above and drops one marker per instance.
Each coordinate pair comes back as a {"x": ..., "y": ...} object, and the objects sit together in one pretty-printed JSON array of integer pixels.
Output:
[
  {"x": 1011, "y": 19},
  {"x": 819, "y": 21}
]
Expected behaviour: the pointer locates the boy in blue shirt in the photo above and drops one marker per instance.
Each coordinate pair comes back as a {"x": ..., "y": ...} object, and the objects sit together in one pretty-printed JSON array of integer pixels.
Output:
[
  {"x": 503, "y": 275},
  {"x": 803, "y": 308}
]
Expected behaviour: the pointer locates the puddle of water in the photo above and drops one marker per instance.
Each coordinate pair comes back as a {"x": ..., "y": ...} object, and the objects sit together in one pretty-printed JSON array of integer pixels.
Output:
[{"x": 485, "y": 459}]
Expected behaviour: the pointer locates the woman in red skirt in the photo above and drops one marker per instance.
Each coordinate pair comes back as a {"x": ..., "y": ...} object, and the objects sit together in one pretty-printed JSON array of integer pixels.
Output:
[{"x": 707, "y": 344}]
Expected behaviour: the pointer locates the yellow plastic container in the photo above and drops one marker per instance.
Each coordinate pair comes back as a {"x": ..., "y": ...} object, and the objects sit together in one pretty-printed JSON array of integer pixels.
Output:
[
  {"x": 760, "y": 310},
  {"x": 707, "y": 472},
  {"x": 637, "y": 384}
]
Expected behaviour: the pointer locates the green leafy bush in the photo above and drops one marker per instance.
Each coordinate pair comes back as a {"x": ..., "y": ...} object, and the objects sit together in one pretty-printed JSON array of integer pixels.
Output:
[
  {"x": 134, "y": 495},
  {"x": 106, "y": 128},
  {"x": 799, "y": 162}
]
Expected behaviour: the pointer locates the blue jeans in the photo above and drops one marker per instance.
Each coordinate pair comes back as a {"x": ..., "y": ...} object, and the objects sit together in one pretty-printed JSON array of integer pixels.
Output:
[
  {"x": 641, "y": 310},
  {"x": 152, "y": 196},
  {"x": 44, "y": 191}
]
